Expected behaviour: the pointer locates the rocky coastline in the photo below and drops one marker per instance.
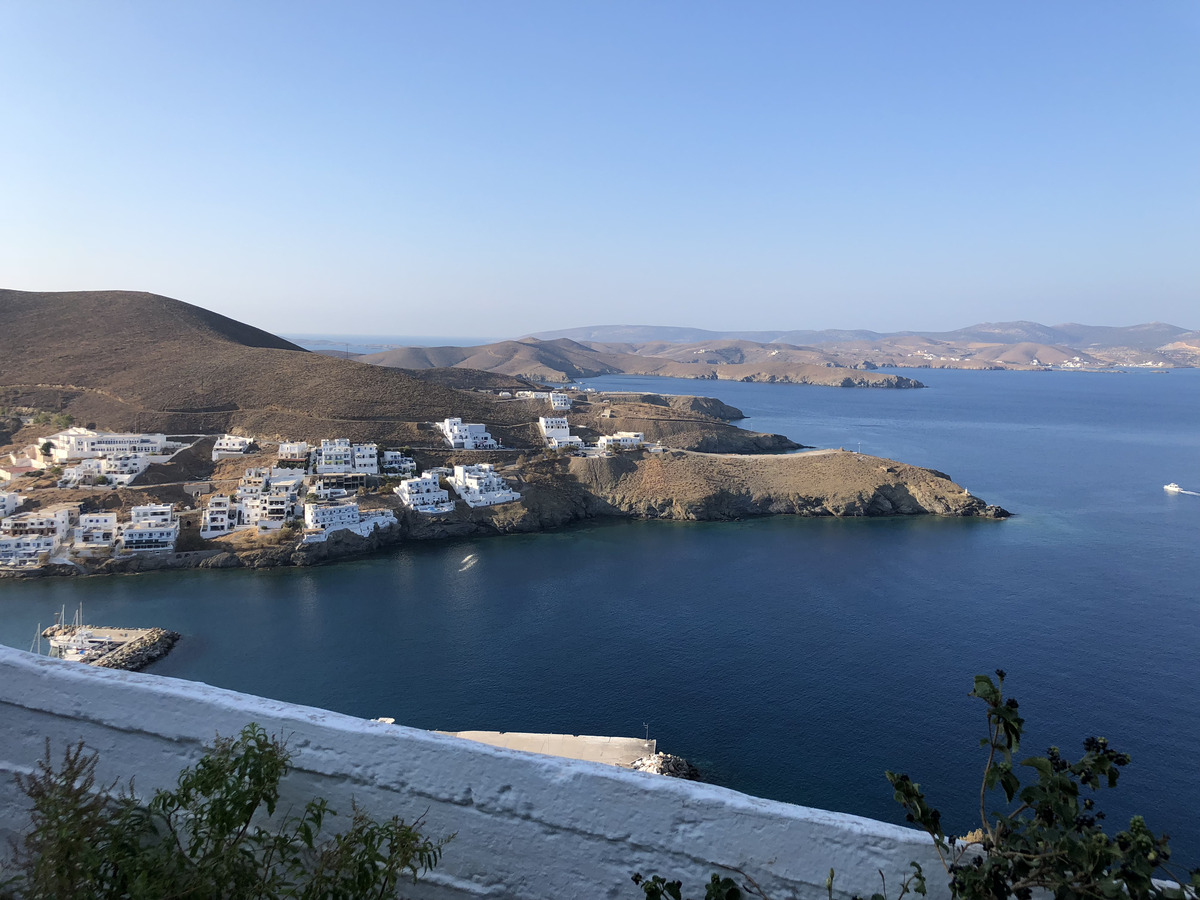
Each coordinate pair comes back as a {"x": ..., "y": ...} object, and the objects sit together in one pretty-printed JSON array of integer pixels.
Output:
[{"x": 672, "y": 486}]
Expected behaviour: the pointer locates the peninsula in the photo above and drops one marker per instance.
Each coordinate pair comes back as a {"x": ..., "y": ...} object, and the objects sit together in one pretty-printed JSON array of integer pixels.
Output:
[{"x": 152, "y": 433}]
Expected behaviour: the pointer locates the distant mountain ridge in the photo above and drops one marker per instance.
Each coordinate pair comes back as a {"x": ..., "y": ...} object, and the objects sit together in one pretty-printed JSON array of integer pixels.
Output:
[
  {"x": 562, "y": 359},
  {"x": 1146, "y": 336}
]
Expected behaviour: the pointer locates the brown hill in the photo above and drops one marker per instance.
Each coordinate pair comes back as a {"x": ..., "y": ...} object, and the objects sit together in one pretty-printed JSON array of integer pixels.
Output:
[
  {"x": 566, "y": 360},
  {"x": 140, "y": 361},
  {"x": 822, "y": 483},
  {"x": 135, "y": 361}
]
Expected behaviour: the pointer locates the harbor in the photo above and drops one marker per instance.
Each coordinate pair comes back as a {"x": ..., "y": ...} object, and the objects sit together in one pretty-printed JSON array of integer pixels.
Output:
[{"x": 106, "y": 647}]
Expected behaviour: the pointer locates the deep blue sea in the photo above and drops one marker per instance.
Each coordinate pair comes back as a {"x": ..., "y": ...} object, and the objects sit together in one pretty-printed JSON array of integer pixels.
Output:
[{"x": 793, "y": 659}]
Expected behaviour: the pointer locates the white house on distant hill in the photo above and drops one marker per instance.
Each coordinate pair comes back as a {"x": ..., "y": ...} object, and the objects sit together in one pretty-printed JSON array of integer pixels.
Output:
[
  {"x": 463, "y": 436},
  {"x": 557, "y": 433}
]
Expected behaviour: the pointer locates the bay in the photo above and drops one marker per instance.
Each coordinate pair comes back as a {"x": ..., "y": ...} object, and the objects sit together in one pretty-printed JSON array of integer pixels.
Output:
[{"x": 789, "y": 658}]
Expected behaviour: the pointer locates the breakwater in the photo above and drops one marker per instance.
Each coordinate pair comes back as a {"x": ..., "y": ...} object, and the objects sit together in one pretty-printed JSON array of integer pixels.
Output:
[{"x": 131, "y": 649}]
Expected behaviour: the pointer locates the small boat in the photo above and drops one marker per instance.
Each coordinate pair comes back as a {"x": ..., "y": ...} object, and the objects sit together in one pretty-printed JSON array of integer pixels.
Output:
[{"x": 1172, "y": 488}]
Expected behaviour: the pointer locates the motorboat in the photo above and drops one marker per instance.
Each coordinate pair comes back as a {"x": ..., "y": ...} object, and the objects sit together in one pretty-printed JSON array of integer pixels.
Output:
[{"x": 1172, "y": 488}]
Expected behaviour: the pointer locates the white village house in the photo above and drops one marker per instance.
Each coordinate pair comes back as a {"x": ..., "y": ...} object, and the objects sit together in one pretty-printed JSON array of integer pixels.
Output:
[
  {"x": 462, "y": 436},
  {"x": 95, "y": 534},
  {"x": 84, "y": 443},
  {"x": 557, "y": 432},
  {"x": 10, "y": 502},
  {"x": 324, "y": 517},
  {"x": 622, "y": 440},
  {"x": 228, "y": 445},
  {"x": 152, "y": 527},
  {"x": 218, "y": 517},
  {"x": 424, "y": 494},
  {"x": 341, "y": 456},
  {"x": 293, "y": 454},
  {"x": 21, "y": 550},
  {"x": 479, "y": 485},
  {"x": 393, "y": 462}
]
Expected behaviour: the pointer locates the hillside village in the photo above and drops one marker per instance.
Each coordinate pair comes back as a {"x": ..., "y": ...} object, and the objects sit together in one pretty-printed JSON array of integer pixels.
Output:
[{"x": 307, "y": 492}]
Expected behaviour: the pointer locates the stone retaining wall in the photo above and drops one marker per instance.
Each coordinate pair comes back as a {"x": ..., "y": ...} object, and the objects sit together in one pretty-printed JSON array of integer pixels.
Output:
[{"x": 528, "y": 826}]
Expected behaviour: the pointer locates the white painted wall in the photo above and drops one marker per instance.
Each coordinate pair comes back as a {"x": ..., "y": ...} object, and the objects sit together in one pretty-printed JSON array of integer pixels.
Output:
[{"x": 528, "y": 826}]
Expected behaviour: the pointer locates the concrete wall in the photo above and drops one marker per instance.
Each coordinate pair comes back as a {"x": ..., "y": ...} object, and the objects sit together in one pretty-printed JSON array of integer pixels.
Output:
[{"x": 527, "y": 826}]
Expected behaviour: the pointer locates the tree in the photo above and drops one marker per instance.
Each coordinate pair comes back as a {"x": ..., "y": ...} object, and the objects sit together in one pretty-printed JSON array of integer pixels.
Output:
[
  {"x": 1046, "y": 837},
  {"x": 204, "y": 838}
]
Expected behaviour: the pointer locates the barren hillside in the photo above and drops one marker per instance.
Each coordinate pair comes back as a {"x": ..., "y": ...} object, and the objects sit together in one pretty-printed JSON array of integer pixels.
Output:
[{"x": 135, "y": 361}]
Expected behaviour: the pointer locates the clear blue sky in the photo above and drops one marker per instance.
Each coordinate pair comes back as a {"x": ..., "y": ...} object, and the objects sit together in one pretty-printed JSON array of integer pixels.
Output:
[{"x": 495, "y": 168}]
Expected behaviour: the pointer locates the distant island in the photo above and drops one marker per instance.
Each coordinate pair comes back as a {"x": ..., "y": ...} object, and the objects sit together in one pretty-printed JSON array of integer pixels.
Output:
[
  {"x": 826, "y": 358},
  {"x": 131, "y": 424}
]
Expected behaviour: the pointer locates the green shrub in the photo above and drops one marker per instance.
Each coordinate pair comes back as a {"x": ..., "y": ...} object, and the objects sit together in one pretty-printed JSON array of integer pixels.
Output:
[
  {"x": 1047, "y": 836},
  {"x": 214, "y": 835}
]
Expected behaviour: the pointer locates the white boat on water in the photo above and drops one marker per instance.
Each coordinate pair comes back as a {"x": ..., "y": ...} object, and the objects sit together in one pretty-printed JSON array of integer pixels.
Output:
[
  {"x": 82, "y": 646},
  {"x": 1172, "y": 488},
  {"x": 78, "y": 644}
]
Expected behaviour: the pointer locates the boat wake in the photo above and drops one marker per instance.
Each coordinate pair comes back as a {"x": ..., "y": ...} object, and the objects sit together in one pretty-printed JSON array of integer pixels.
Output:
[
  {"x": 1173, "y": 488},
  {"x": 468, "y": 562}
]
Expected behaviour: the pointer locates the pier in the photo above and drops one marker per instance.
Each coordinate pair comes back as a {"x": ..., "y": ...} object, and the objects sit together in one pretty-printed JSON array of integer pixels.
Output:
[
  {"x": 615, "y": 751},
  {"x": 110, "y": 648}
]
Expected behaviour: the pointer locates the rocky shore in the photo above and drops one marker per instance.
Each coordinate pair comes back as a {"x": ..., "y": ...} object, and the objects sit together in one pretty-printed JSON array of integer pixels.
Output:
[
  {"x": 139, "y": 653},
  {"x": 676, "y": 485},
  {"x": 666, "y": 764}
]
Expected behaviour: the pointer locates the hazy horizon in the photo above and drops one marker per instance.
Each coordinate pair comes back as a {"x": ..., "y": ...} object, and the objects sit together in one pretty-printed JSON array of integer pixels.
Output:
[{"x": 456, "y": 168}]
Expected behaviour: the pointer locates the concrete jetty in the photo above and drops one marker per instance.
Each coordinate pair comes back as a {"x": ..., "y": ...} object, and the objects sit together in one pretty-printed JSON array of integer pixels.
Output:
[
  {"x": 615, "y": 751},
  {"x": 131, "y": 648}
]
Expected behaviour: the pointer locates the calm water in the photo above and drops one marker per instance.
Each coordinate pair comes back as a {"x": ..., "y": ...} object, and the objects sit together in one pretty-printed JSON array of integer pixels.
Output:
[{"x": 794, "y": 659}]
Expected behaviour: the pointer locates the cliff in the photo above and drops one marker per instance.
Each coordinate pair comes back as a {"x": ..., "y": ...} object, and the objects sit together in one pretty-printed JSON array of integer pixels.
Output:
[{"x": 681, "y": 485}]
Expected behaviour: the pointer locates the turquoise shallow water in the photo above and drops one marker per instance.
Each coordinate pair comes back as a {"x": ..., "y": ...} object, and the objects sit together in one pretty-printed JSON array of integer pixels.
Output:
[{"x": 794, "y": 659}]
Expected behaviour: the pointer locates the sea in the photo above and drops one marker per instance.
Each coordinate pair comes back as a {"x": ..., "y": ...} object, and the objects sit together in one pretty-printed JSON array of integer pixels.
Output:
[{"x": 794, "y": 659}]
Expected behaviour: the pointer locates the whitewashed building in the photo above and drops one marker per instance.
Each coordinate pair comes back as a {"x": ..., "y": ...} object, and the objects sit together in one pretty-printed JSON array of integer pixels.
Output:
[
  {"x": 293, "y": 454},
  {"x": 424, "y": 494},
  {"x": 10, "y": 502},
  {"x": 321, "y": 519},
  {"x": 153, "y": 513},
  {"x": 622, "y": 440},
  {"x": 334, "y": 455},
  {"x": 25, "y": 550},
  {"x": 82, "y": 443},
  {"x": 464, "y": 436},
  {"x": 266, "y": 498},
  {"x": 559, "y": 401},
  {"x": 557, "y": 433},
  {"x": 339, "y": 455},
  {"x": 95, "y": 533},
  {"x": 330, "y": 514},
  {"x": 218, "y": 517},
  {"x": 533, "y": 395},
  {"x": 148, "y": 535},
  {"x": 228, "y": 445},
  {"x": 393, "y": 462},
  {"x": 114, "y": 469},
  {"x": 54, "y": 522},
  {"x": 479, "y": 485}
]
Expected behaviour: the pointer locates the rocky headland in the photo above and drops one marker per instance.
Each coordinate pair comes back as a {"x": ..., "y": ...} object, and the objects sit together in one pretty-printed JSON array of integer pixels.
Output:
[{"x": 672, "y": 486}]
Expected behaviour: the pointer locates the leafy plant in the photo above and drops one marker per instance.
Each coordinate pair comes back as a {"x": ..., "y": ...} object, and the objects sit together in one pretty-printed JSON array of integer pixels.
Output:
[
  {"x": 1047, "y": 837},
  {"x": 214, "y": 835}
]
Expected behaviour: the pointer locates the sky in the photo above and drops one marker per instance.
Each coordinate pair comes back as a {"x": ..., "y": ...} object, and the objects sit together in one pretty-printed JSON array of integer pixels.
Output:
[{"x": 499, "y": 168}]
